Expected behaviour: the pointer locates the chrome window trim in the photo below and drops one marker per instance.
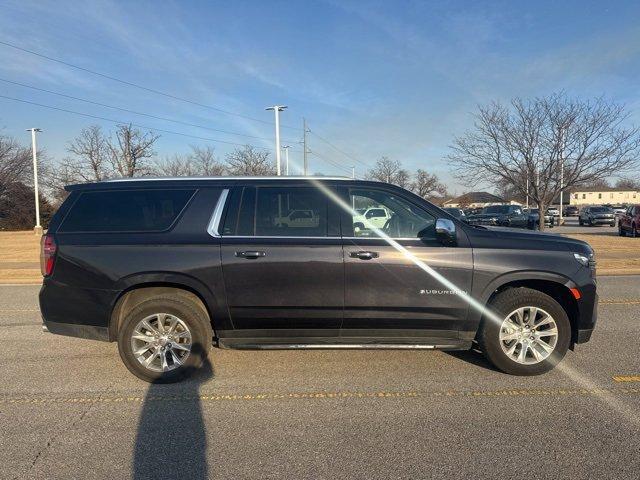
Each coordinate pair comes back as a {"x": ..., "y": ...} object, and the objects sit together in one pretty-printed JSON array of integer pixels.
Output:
[
  {"x": 213, "y": 228},
  {"x": 316, "y": 237}
]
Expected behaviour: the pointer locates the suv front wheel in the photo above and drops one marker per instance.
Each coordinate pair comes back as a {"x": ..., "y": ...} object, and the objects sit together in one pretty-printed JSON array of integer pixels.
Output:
[
  {"x": 530, "y": 335},
  {"x": 164, "y": 339}
]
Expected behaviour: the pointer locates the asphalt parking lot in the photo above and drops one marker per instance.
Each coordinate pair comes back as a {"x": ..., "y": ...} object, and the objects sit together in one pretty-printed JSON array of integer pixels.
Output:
[{"x": 69, "y": 409}]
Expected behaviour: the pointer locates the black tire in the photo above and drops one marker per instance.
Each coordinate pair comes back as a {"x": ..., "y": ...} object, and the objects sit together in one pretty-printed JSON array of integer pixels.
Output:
[
  {"x": 634, "y": 231},
  {"x": 176, "y": 305},
  {"x": 621, "y": 231},
  {"x": 508, "y": 301},
  {"x": 580, "y": 222}
]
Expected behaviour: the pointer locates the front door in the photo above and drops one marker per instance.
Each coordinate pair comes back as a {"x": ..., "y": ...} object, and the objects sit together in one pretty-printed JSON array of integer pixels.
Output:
[
  {"x": 282, "y": 265},
  {"x": 390, "y": 297}
]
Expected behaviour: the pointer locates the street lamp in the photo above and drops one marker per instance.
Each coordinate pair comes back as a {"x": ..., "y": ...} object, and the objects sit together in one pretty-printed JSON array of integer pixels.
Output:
[
  {"x": 38, "y": 228},
  {"x": 276, "y": 110},
  {"x": 286, "y": 158}
]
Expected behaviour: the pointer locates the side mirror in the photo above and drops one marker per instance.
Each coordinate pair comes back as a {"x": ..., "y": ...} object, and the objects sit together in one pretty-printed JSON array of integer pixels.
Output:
[{"x": 446, "y": 232}]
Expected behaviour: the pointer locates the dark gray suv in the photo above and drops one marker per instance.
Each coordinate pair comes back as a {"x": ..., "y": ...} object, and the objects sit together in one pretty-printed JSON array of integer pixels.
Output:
[{"x": 166, "y": 267}]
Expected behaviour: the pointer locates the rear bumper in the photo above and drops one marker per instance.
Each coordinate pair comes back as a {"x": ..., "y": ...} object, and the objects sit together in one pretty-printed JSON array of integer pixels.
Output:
[
  {"x": 76, "y": 312},
  {"x": 90, "y": 332}
]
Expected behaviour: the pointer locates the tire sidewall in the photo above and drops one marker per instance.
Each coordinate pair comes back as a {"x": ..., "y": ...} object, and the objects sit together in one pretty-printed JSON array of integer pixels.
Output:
[
  {"x": 201, "y": 338},
  {"x": 507, "y": 302}
]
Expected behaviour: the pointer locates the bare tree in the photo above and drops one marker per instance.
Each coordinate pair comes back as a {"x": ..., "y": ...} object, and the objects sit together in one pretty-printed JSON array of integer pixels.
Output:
[
  {"x": 175, "y": 166},
  {"x": 628, "y": 184},
  {"x": 130, "y": 151},
  {"x": 89, "y": 160},
  {"x": 533, "y": 139},
  {"x": 390, "y": 171},
  {"x": 249, "y": 161},
  {"x": 206, "y": 162},
  {"x": 15, "y": 162},
  {"x": 428, "y": 185}
]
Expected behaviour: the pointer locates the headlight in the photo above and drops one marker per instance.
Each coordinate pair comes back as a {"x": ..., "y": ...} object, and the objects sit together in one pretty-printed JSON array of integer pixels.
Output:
[
  {"x": 587, "y": 260},
  {"x": 582, "y": 258}
]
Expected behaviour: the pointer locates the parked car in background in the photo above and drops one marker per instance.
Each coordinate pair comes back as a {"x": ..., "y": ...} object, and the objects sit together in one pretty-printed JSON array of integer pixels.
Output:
[
  {"x": 553, "y": 211},
  {"x": 375, "y": 216},
  {"x": 302, "y": 218},
  {"x": 593, "y": 216},
  {"x": 571, "y": 211},
  {"x": 629, "y": 222},
  {"x": 533, "y": 219},
  {"x": 456, "y": 212},
  {"x": 619, "y": 210},
  {"x": 500, "y": 215}
]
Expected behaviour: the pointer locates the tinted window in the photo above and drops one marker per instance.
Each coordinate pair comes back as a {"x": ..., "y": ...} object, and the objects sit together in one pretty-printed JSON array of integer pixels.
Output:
[
  {"x": 125, "y": 210},
  {"x": 601, "y": 210},
  {"x": 403, "y": 220},
  {"x": 291, "y": 211}
]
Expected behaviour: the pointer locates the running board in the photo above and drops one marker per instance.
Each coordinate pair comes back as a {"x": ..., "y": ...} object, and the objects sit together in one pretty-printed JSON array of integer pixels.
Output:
[{"x": 339, "y": 346}]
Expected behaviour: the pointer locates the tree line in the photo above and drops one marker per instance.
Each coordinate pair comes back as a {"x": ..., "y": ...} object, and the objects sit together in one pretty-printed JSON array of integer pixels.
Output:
[{"x": 535, "y": 147}]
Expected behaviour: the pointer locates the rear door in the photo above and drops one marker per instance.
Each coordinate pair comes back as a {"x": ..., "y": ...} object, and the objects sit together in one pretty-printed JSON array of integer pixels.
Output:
[
  {"x": 387, "y": 295},
  {"x": 284, "y": 279}
]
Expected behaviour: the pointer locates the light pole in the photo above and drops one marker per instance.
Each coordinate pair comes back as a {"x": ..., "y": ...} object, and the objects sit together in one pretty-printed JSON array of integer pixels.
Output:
[
  {"x": 286, "y": 158},
  {"x": 561, "y": 173},
  {"x": 276, "y": 110},
  {"x": 38, "y": 228}
]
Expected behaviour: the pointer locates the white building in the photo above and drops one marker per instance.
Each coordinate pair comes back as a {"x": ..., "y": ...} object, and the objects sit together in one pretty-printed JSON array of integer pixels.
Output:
[{"x": 604, "y": 196}]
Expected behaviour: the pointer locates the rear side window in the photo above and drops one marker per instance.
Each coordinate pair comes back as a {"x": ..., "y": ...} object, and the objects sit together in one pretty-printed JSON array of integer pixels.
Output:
[
  {"x": 295, "y": 211},
  {"x": 125, "y": 210}
]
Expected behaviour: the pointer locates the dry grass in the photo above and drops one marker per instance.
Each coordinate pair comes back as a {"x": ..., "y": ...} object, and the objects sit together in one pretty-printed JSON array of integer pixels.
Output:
[
  {"x": 615, "y": 255},
  {"x": 19, "y": 255}
]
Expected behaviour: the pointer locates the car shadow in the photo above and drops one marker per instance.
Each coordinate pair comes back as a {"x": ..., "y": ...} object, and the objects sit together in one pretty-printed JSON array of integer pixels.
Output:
[
  {"x": 171, "y": 440},
  {"x": 473, "y": 356}
]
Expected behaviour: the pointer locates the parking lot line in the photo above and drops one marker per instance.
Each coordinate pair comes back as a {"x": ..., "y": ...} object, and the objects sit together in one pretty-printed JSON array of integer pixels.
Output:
[
  {"x": 626, "y": 378},
  {"x": 215, "y": 397}
]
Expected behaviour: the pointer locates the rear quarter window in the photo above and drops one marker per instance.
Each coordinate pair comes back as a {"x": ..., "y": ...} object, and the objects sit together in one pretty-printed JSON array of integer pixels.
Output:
[{"x": 125, "y": 210}]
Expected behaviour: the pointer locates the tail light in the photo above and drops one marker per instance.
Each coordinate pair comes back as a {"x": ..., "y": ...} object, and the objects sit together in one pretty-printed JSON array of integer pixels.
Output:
[{"x": 48, "y": 250}]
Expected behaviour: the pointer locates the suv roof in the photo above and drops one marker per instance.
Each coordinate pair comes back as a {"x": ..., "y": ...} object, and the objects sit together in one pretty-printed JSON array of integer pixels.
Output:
[{"x": 201, "y": 180}]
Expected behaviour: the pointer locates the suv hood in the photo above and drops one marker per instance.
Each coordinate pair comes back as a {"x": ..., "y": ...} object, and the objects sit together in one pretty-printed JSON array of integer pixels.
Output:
[{"x": 512, "y": 235}]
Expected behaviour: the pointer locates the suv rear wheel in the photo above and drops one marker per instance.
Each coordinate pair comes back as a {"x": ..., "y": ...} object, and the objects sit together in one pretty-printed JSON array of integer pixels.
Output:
[
  {"x": 533, "y": 334},
  {"x": 164, "y": 339}
]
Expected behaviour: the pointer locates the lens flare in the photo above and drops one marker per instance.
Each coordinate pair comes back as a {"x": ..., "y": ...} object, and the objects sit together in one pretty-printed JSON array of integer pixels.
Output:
[{"x": 623, "y": 409}]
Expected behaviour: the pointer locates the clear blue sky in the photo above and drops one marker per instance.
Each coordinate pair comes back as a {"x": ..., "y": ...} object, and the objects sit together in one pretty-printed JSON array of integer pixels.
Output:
[{"x": 375, "y": 78}]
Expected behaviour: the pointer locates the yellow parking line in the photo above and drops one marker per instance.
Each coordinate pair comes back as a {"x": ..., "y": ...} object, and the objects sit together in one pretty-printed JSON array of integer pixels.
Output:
[
  {"x": 619, "y": 302},
  {"x": 326, "y": 395},
  {"x": 626, "y": 378}
]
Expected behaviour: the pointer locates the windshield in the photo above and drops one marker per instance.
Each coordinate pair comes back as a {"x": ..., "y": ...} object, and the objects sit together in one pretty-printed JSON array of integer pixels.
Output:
[{"x": 601, "y": 210}]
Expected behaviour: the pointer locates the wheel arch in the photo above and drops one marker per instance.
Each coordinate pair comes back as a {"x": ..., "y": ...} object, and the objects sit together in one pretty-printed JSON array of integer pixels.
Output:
[
  {"x": 556, "y": 286},
  {"x": 134, "y": 290}
]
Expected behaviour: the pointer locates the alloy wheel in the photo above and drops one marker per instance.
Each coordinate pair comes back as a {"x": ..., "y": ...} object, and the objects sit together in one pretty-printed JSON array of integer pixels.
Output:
[
  {"x": 161, "y": 342},
  {"x": 528, "y": 335}
]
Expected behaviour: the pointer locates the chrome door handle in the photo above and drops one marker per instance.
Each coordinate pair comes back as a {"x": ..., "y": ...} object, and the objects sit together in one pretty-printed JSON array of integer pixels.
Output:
[
  {"x": 251, "y": 255},
  {"x": 363, "y": 255}
]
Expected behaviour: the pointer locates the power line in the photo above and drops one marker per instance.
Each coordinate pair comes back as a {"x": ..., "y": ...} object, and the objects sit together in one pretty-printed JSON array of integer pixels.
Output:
[
  {"x": 121, "y": 122},
  {"x": 141, "y": 87},
  {"x": 339, "y": 150},
  {"x": 331, "y": 162},
  {"x": 166, "y": 119}
]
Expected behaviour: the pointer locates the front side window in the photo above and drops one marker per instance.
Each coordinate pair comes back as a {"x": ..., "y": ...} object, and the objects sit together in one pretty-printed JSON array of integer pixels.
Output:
[
  {"x": 394, "y": 216},
  {"x": 290, "y": 211}
]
